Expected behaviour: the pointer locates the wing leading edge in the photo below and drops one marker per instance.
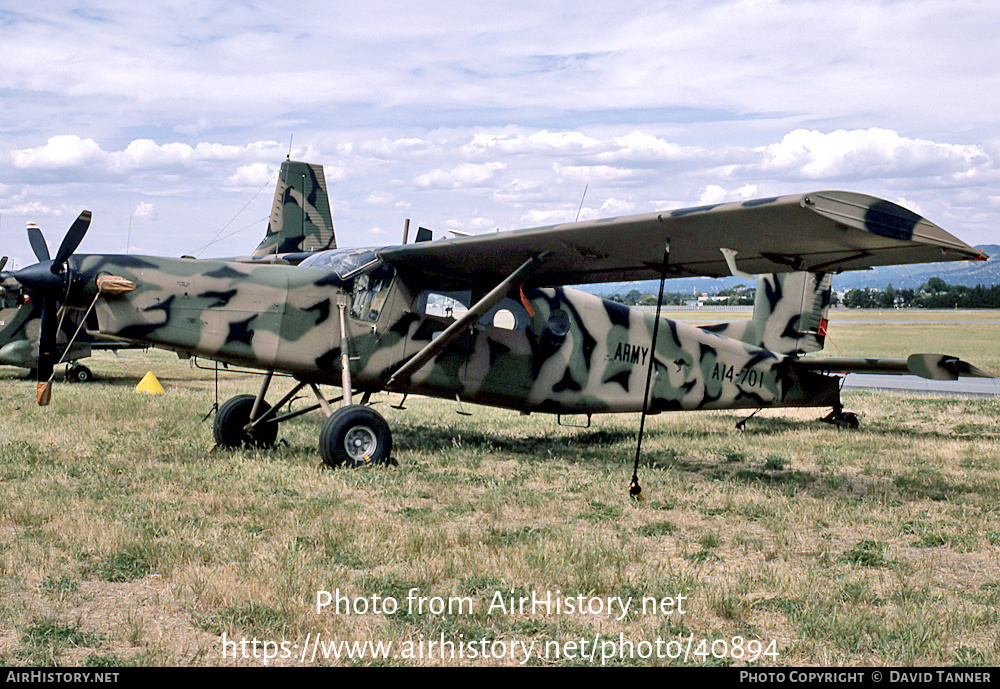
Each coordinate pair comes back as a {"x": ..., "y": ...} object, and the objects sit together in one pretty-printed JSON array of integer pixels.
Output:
[{"x": 828, "y": 231}]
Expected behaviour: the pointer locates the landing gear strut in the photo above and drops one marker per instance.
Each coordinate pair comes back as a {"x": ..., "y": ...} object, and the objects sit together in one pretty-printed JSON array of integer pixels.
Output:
[{"x": 354, "y": 435}]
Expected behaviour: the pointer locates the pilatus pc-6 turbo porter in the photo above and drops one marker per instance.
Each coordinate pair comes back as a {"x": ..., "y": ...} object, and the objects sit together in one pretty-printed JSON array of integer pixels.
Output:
[{"x": 363, "y": 319}]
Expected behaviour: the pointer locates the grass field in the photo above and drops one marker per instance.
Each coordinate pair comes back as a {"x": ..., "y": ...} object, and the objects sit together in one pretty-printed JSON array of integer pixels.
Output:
[{"x": 128, "y": 540}]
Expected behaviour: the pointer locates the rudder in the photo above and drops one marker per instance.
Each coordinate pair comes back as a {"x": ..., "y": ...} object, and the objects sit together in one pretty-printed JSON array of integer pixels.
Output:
[
  {"x": 789, "y": 313},
  {"x": 300, "y": 215}
]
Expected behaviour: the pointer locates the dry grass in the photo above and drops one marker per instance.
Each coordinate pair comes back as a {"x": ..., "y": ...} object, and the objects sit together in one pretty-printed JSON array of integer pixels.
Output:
[{"x": 126, "y": 539}]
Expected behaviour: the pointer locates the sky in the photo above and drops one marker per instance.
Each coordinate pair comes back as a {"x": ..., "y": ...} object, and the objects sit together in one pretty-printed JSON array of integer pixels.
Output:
[{"x": 169, "y": 120}]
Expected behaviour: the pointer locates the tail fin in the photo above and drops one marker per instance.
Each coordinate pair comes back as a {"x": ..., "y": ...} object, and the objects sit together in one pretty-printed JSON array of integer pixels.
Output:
[
  {"x": 789, "y": 313},
  {"x": 300, "y": 216}
]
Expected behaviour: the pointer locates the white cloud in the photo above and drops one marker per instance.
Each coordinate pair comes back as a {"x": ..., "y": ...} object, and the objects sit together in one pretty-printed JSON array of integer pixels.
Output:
[
  {"x": 538, "y": 143},
  {"x": 63, "y": 151},
  {"x": 590, "y": 173},
  {"x": 617, "y": 207},
  {"x": 389, "y": 149},
  {"x": 380, "y": 198},
  {"x": 252, "y": 176},
  {"x": 145, "y": 154},
  {"x": 541, "y": 218},
  {"x": 713, "y": 193},
  {"x": 33, "y": 209},
  {"x": 465, "y": 175},
  {"x": 645, "y": 146},
  {"x": 478, "y": 224},
  {"x": 868, "y": 153}
]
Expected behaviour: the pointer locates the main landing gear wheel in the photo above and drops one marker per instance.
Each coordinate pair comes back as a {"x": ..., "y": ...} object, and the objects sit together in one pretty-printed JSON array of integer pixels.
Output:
[
  {"x": 355, "y": 436},
  {"x": 231, "y": 420}
]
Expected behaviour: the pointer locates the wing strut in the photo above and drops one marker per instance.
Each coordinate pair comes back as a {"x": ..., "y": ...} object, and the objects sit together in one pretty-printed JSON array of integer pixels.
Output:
[
  {"x": 477, "y": 311},
  {"x": 634, "y": 489}
]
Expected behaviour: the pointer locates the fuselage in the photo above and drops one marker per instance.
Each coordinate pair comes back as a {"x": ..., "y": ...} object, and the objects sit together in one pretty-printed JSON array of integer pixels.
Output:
[{"x": 555, "y": 350}]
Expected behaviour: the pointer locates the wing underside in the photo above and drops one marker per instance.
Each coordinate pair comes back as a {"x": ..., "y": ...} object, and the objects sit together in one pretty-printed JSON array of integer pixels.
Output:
[{"x": 820, "y": 232}]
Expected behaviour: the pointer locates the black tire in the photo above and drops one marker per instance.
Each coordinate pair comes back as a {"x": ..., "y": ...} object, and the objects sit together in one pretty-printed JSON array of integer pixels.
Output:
[
  {"x": 80, "y": 374},
  {"x": 355, "y": 436},
  {"x": 233, "y": 416}
]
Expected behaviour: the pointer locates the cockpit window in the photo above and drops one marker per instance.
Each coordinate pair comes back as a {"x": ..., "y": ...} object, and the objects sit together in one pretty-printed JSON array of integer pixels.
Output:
[
  {"x": 342, "y": 262},
  {"x": 362, "y": 273},
  {"x": 371, "y": 287}
]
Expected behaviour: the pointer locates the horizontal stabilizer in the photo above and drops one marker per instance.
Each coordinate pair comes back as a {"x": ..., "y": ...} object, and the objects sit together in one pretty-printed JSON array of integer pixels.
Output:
[
  {"x": 941, "y": 367},
  {"x": 930, "y": 366}
]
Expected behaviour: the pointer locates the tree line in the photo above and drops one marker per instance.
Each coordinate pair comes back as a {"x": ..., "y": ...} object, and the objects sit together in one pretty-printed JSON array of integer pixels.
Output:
[
  {"x": 933, "y": 294},
  {"x": 736, "y": 296}
]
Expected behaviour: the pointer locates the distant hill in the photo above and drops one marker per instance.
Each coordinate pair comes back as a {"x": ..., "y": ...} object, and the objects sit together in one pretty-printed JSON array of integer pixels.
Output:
[{"x": 968, "y": 273}]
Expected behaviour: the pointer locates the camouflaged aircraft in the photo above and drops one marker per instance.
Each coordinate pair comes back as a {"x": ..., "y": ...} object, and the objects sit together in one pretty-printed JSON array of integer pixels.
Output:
[{"x": 370, "y": 319}]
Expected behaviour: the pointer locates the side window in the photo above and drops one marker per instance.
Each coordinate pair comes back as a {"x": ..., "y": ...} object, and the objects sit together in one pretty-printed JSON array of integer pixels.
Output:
[
  {"x": 447, "y": 304},
  {"x": 370, "y": 292},
  {"x": 509, "y": 314}
]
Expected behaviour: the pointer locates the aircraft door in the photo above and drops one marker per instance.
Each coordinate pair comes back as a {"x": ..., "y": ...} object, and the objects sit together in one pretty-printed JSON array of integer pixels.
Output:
[{"x": 369, "y": 302}]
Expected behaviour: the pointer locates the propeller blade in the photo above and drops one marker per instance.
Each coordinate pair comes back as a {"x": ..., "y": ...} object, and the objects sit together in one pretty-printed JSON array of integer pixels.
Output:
[
  {"x": 37, "y": 241},
  {"x": 72, "y": 239},
  {"x": 48, "y": 279},
  {"x": 46, "y": 350},
  {"x": 3, "y": 262}
]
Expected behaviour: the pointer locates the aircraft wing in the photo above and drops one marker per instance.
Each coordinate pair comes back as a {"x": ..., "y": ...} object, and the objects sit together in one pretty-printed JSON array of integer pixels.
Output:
[{"x": 829, "y": 231}]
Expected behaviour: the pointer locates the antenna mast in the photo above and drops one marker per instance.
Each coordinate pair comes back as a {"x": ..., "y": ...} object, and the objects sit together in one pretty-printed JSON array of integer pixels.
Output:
[{"x": 580, "y": 209}]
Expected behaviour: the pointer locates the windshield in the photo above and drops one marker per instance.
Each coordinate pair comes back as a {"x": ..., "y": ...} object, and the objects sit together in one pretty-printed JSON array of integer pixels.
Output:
[{"x": 342, "y": 262}]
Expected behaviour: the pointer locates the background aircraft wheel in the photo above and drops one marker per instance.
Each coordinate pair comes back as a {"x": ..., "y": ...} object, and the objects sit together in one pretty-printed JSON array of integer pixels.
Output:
[
  {"x": 79, "y": 374},
  {"x": 355, "y": 436},
  {"x": 231, "y": 418}
]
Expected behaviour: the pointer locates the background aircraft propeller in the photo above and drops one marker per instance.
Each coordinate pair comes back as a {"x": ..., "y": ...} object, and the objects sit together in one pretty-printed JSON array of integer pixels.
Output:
[
  {"x": 4, "y": 274},
  {"x": 50, "y": 279}
]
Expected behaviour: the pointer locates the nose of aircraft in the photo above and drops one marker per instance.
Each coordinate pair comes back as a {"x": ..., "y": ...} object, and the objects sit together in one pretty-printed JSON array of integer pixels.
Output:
[{"x": 41, "y": 279}]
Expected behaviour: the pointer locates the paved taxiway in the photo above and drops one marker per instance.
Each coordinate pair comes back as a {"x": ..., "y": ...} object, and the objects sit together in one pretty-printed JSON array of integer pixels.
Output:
[{"x": 963, "y": 386}]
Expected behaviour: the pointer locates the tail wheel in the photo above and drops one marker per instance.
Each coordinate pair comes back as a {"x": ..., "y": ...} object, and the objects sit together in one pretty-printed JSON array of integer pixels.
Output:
[
  {"x": 232, "y": 418},
  {"x": 842, "y": 419},
  {"x": 848, "y": 419},
  {"x": 355, "y": 436}
]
